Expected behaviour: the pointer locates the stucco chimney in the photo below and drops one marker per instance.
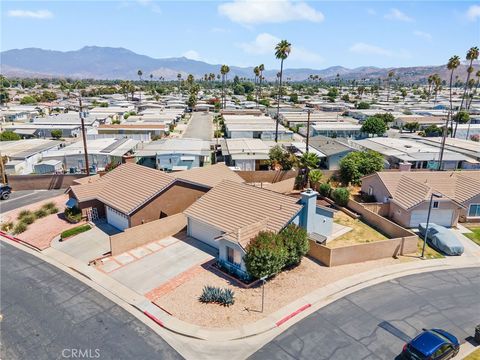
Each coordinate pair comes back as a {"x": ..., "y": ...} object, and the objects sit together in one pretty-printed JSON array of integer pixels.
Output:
[{"x": 309, "y": 202}]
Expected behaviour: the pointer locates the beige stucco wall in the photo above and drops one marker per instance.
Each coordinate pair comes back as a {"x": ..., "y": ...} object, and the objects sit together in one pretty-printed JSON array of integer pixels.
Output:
[
  {"x": 463, "y": 212},
  {"x": 402, "y": 216},
  {"x": 379, "y": 190},
  {"x": 146, "y": 233}
]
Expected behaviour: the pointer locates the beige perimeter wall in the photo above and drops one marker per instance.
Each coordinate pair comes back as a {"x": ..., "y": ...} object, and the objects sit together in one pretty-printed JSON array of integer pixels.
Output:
[
  {"x": 42, "y": 182},
  {"x": 146, "y": 233}
]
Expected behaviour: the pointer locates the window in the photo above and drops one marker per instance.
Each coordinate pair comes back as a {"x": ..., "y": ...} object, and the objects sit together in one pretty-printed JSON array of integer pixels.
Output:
[
  {"x": 230, "y": 255},
  {"x": 444, "y": 349},
  {"x": 370, "y": 190},
  {"x": 435, "y": 204},
  {"x": 474, "y": 210}
]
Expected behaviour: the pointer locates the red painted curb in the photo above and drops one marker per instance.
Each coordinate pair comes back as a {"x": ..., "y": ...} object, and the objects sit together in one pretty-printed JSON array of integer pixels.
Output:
[
  {"x": 19, "y": 241},
  {"x": 296, "y": 312},
  {"x": 154, "y": 318},
  {"x": 10, "y": 237}
]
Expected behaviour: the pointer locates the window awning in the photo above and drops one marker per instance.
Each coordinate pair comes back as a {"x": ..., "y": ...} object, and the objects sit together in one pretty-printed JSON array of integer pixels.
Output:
[{"x": 71, "y": 203}]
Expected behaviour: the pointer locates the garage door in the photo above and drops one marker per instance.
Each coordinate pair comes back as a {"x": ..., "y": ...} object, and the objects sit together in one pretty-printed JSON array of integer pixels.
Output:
[
  {"x": 439, "y": 217},
  {"x": 203, "y": 232},
  {"x": 117, "y": 219}
]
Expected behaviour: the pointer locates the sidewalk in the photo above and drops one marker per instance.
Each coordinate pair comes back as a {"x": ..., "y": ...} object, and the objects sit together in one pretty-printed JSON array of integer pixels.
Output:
[{"x": 281, "y": 319}]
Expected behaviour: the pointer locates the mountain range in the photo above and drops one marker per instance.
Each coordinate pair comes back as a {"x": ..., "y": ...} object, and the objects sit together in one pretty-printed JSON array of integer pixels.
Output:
[{"x": 94, "y": 62}]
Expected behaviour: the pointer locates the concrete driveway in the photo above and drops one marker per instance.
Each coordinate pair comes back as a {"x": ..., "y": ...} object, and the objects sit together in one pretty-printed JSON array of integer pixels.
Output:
[
  {"x": 89, "y": 245},
  {"x": 171, "y": 257}
]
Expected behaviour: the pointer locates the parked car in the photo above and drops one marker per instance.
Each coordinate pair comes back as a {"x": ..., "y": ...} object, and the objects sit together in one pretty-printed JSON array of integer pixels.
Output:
[
  {"x": 5, "y": 191},
  {"x": 433, "y": 344},
  {"x": 442, "y": 239}
]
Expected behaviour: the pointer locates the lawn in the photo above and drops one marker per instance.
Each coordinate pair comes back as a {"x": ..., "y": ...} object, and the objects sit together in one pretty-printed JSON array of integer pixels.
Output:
[
  {"x": 474, "y": 235},
  {"x": 430, "y": 253},
  {"x": 361, "y": 233},
  {"x": 473, "y": 356}
]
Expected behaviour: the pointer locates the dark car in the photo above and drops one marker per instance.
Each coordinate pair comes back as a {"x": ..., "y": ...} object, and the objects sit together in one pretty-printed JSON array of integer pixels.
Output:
[
  {"x": 433, "y": 344},
  {"x": 5, "y": 191}
]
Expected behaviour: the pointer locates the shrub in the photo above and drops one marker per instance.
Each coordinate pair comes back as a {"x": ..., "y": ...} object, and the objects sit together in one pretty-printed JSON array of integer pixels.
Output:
[
  {"x": 265, "y": 255},
  {"x": 75, "y": 231},
  {"x": 41, "y": 213},
  {"x": 20, "y": 228},
  {"x": 212, "y": 294},
  {"x": 341, "y": 196},
  {"x": 49, "y": 205},
  {"x": 295, "y": 241},
  {"x": 73, "y": 215},
  {"x": 28, "y": 219},
  {"x": 8, "y": 226},
  {"x": 23, "y": 213},
  {"x": 325, "y": 189}
]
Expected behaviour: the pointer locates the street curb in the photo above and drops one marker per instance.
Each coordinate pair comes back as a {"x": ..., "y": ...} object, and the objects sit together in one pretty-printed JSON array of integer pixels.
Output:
[
  {"x": 295, "y": 313},
  {"x": 19, "y": 241}
]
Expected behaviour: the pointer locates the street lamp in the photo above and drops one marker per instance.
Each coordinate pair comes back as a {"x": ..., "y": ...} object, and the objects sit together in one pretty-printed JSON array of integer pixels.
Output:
[
  {"x": 434, "y": 195},
  {"x": 264, "y": 280}
]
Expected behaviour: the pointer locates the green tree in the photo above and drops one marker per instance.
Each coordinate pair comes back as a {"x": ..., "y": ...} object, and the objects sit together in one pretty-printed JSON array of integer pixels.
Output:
[
  {"x": 26, "y": 100},
  {"x": 239, "y": 89},
  {"x": 358, "y": 164},
  {"x": 9, "y": 135},
  {"x": 281, "y": 158},
  {"x": 363, "y": 105},
  {"x": 324, "y": 189},
  {"x": 341, "y": 196},
  {"x": 282, "y": 50},
  {"x": 462, "y": 117},
  {"x": 224, "y": 70},
  {"x": 295, "y": 242},
  {"x": 386, "y": 117},
  {"x": 374, "y": 125},
  {"x": 411, "y": 126},
  {"x": 332, "y": 92},
  {"x": 265, "y": 255},
  {"x": 56, "y": 133},
  {"x": 294, "y": 98}
]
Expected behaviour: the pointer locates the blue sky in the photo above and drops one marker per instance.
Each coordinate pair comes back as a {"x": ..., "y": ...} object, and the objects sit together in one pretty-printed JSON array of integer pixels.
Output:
[{"x": 243, "y": 32}]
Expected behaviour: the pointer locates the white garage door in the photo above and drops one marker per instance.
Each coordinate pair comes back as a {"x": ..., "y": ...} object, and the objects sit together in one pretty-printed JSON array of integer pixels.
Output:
[
  {"x": 116, "y": 218},
  {"x": 439, "y": 217},
  {"x": 203, "y": 232}
]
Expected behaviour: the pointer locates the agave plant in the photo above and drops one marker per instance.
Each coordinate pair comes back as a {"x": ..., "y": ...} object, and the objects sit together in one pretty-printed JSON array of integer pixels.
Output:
[{"x": 212, "y": 294}]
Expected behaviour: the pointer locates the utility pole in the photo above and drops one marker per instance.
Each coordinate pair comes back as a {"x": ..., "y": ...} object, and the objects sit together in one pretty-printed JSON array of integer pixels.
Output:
[
  {"x": 308, "y": 129},
  {"x": 84, "y": 136}
]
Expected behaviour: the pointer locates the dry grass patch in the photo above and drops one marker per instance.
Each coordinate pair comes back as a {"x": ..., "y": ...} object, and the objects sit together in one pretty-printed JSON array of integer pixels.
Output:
[
  {"x": 361, "y": 233},
  {"x": 288, "y": 286}
]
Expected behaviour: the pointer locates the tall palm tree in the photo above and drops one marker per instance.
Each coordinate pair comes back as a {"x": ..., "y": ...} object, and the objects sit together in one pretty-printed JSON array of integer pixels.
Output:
[
  {"x": 453, "y": 63},
  {"x": 261, "y": 68},
  {"x": 224, "y": 70},
  {"x": 430, "y": 81},
  {"x": 282, "y": 50},
  {"x": 390, "y": 75},
  {"x": 140, "y": 73},
  {"x": 179, "y": 78},
  {"x": 477, "y": 75},
  {"x": 256, "y": 71}
]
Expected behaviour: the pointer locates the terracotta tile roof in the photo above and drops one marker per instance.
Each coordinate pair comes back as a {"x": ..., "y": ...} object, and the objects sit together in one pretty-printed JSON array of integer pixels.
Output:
[
  {"x": 209, "y": 175},
  {"x": 238, "y": 208},
  {"x": 409, "y": 188},
  {"x": 125, "y": 188}
]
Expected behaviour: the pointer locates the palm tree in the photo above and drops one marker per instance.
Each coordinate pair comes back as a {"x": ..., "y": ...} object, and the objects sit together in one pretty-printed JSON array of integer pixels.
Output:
[
  {"x": 472, "y": 55},
  {"x": 430, "y": 81},
  {"x": 390, "y": 75},
  {"x": 256, "y": 71},
  {"x": 282, "y": 50},
  {"x": 477, "y": 75},
  {"x": 308, "y": 162},
  {"x": 314, "y": 177},
  {"x": 179, "y": 78},
  {"x": 437, "y": 86},
  {"x": 140, "y": 73},
  {"x": 224, "y": 70},
  {"x": 453, "y": 63},
  {"x": 261, "y": 68}
]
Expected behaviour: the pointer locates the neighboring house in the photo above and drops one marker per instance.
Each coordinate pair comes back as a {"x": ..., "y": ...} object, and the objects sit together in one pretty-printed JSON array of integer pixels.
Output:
[
  {"x": 254, "y": 127},
  {"x": 231, "y": 214},
  {"x": 246, "y": 154},
  {"x": 175, "y": 154},
  {"x": 408, "y": 195},
  {"x": 132, "y": 194},
  {"x": 333, "y": 150},
  {"x": 49, "y": 167}
]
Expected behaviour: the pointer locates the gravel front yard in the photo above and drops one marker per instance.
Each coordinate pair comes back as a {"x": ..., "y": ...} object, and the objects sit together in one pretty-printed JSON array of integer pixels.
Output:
[{"x": 182, "y": 302}]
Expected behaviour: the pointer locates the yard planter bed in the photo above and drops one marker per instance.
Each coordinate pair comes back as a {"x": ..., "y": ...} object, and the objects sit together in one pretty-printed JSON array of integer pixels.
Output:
[{"x": 75, "y": 231}]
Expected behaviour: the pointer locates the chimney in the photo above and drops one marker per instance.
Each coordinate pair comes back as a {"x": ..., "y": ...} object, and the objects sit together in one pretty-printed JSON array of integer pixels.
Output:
[{"x": 307, "y": 216}]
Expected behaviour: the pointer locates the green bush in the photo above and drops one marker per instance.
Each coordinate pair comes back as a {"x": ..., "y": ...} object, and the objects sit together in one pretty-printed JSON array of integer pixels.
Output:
[
  {"x": 48, "y": 206},
  {"x": 8, "y": 226},
  {"x": 73, "y": 215},
  {"x": 75, "y": 231},
  {"x": 20, "y": 228},
  {"x": 295, "y": 241},
  {"x": 212, "y": 294},
  {"x": 23, "y": 213},
  {"x": 324, "y": 189},
  {"x": 265, "y": 255},
  {"x": 41, "y": 213},
  {"x": 28, "y": 219},
  {"x": 341, "y": 196}
]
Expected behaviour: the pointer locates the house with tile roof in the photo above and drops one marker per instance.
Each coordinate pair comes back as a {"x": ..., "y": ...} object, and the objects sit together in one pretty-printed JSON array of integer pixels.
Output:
[
  {"x": 408, "y": 196},
  {"x": 232, "y": 213},
  {"x": 132, "y": 194}
]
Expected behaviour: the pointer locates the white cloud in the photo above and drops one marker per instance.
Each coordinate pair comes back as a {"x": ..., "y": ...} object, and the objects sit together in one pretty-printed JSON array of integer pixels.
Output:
[
  {"x": 38, "y": 14},
  {"x": 396, "y": 14},
  {"x": 473, "y": 12},
  {"x": 249, "y": 12},
  {"x": 151, "y": 5},
  {"x": 362, "y": 48},
  {"x": 265, "y": 44},
  {"x": 422, "y": 34},
  {"x": 192, "y": 54}
]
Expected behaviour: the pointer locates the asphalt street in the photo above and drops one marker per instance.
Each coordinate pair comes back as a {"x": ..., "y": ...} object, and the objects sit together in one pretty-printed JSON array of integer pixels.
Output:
[
  {"x": 25, "y": 197},
  {"x": 200, "y": 126},
  {"x": 354, "y": 326},
  {"x": 48, "y": 314}
]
